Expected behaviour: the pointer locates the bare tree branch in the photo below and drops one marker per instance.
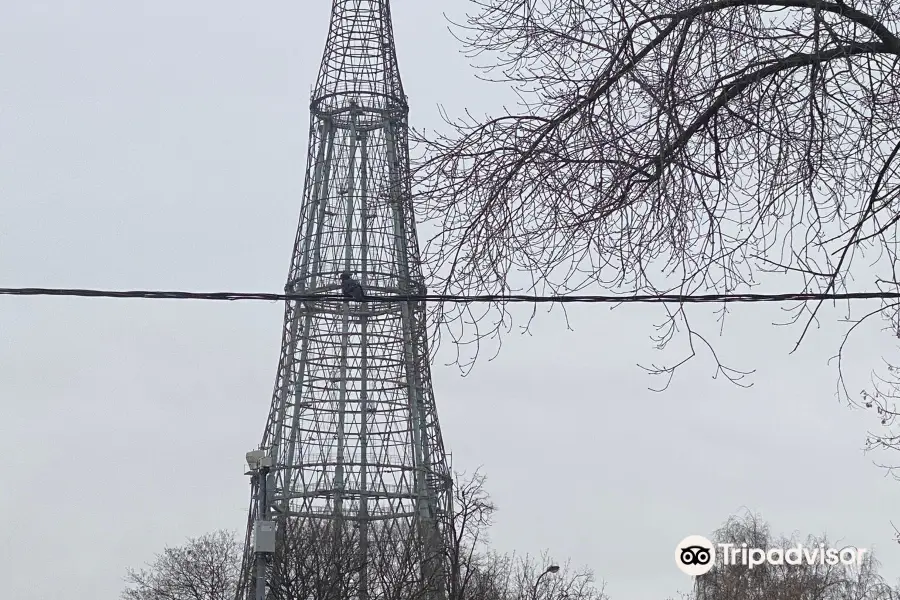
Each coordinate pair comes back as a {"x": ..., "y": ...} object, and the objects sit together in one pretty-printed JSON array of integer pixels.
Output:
[{"x": 678, "y": 145}]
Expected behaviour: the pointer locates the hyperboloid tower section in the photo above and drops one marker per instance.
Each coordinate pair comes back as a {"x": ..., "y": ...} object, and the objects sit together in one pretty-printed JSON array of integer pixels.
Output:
[{"x": 358, "y": 484}]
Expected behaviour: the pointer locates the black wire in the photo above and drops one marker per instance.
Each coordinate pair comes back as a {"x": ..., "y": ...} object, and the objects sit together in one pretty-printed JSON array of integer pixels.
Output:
[{"x": 657, "y": 299}]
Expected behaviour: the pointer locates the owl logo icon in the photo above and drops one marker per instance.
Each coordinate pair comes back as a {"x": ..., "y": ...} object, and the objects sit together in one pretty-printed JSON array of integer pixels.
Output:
[{"x": 695, "y": 555}]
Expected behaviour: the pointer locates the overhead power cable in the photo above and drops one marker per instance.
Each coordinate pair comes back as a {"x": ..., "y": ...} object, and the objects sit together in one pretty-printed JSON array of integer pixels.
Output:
[{"x": 646, "y": 299}]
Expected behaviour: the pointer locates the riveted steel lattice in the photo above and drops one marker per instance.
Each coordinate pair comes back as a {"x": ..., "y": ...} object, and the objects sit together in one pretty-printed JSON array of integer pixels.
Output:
[{"x": 353, "y": 427}]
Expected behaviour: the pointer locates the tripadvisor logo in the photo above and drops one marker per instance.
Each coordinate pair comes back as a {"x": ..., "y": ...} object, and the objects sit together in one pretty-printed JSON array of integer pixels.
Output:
[{"x": 695, "y": 555}]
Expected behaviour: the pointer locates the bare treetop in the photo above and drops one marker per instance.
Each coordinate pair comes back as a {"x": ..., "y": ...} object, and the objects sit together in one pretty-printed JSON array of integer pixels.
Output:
[{"x": 671, "y": 145}]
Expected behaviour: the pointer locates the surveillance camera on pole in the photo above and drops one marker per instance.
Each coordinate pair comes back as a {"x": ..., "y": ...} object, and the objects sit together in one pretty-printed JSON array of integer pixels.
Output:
[{"x": 253, "y": 459}]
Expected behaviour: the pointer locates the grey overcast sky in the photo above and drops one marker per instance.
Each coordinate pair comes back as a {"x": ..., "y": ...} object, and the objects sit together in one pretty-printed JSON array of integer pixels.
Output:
[{"x": 161, "y": 144}]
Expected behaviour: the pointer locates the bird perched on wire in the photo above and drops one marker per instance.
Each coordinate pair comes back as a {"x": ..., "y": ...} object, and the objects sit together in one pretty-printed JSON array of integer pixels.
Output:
[{"x": 350, "y": 287}]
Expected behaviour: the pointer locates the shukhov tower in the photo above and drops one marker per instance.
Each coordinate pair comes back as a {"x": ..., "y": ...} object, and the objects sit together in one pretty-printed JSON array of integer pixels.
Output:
[{"x": 358, "y": 468}]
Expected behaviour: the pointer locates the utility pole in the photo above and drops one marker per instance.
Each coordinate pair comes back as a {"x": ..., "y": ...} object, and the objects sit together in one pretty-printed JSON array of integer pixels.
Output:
[{"x": 263, "y": 528}]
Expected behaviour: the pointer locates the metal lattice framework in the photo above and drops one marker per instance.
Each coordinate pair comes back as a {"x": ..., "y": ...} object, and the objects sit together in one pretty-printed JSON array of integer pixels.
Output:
[{"x": 353, "y": 428}]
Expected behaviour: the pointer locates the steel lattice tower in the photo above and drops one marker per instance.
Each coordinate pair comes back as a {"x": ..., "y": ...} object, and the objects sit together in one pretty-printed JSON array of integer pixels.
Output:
[{"x": 353, "y": 429}]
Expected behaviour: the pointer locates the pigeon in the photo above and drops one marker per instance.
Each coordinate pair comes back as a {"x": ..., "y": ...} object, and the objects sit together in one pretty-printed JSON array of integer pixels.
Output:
[{"x": 351, "y": 287}]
